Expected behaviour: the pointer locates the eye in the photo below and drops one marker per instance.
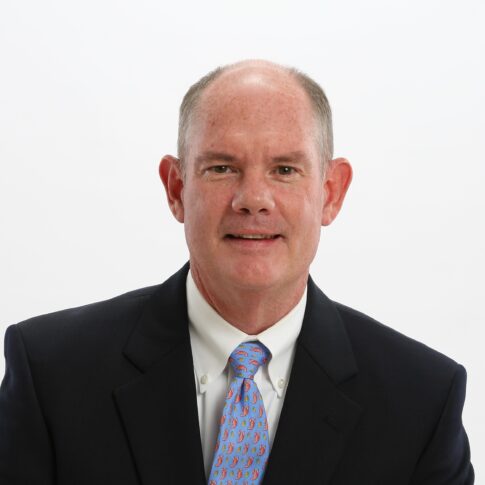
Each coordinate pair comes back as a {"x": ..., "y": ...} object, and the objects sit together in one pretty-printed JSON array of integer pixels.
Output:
[
  {"x": 220, "y": 169},
  {"x": 285, "y": 170}
]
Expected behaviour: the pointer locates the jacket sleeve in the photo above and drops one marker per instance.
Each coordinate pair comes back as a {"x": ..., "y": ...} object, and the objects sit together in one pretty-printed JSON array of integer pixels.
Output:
[
  {"x": 26, "y": 456},
  {"x": 446, "y": 458}
]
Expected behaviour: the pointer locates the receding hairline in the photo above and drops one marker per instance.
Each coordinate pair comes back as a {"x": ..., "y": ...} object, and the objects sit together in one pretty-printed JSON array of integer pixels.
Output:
[
  {"x": 311, "y": 89},
  {"x": 268, "y": 75},
  {"x": 259, "y": 66}
]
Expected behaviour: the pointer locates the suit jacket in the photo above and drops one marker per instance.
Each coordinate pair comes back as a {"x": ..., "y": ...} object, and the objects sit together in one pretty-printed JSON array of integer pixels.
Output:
[{"x": 105, "y": 394}]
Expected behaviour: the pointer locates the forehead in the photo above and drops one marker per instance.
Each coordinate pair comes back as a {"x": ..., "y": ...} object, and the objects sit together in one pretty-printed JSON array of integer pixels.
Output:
[{"x": 269, "y": 107}]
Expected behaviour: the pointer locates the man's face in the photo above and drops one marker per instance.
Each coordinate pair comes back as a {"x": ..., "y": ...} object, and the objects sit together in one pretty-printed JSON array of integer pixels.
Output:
[{"x": 253, "y": 195}]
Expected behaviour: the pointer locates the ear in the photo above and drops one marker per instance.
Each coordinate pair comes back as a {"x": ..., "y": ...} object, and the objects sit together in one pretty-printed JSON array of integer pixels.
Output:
[
  {"x": 172, "y": 178},
  {"x": 338, "y": 176}
]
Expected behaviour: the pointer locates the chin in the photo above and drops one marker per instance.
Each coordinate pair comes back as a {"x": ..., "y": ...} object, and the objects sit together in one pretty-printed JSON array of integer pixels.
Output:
[{"x": 254, "y": 276}]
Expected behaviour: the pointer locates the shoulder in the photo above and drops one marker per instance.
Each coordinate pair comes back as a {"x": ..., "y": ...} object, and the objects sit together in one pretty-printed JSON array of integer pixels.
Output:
[
  {"x": 99, "y": 329},
  {"x": 386, "y": 355},
  {"x": 86, "y": 327},
  {"x": 368, "y": 333}
]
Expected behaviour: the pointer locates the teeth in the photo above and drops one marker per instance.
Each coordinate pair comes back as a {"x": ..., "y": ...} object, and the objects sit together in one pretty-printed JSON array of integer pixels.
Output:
[{"x": 254, "y": 236}]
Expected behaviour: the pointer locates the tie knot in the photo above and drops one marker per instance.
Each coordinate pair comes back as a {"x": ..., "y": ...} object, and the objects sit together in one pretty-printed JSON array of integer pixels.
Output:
[{"x": 247, "y": 357}]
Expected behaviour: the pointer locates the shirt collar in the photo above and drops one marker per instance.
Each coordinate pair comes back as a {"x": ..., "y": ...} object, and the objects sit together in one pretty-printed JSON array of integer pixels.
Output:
[{"x": 213, "y": 339}]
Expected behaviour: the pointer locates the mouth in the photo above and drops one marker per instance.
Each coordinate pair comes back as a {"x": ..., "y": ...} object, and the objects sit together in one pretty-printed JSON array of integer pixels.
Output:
[{"x": 253, "y": 237}]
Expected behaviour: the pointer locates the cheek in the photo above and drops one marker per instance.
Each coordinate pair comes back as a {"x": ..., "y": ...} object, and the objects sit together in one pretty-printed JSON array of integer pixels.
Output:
[
  {"x": 304, "y": 208},
  {"x": 304, "y": 215},
  {"x": 203, "y": 213}
]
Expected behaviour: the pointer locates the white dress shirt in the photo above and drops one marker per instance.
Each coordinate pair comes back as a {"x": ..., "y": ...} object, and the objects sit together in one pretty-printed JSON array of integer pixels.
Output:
[{"x": 212, "y": 340}]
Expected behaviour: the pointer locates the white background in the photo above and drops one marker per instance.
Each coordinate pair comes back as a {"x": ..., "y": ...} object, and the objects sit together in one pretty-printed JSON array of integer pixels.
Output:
[{"x": 89, "y": 94}]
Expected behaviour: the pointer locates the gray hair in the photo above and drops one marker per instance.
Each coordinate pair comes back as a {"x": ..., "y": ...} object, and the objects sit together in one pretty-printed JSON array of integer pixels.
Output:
[{"x": 318, "y": 99}]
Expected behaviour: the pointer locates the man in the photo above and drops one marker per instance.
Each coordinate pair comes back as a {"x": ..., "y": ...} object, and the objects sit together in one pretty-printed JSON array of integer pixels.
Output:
[{"x": 237, "y": 369}]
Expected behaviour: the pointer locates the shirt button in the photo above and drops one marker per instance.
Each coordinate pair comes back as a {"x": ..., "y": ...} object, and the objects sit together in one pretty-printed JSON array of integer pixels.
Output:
[
  {"x": 204, "y": 379},
  {"x": 281, "y": 383}
]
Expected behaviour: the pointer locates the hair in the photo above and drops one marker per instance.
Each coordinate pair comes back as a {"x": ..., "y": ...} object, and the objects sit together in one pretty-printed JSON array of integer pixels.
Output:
[{"x": 316, "y": 95}]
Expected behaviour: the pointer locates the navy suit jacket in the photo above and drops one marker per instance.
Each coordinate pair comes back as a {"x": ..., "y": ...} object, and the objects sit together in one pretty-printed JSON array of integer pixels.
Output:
[{"x": 105, "y": 394}]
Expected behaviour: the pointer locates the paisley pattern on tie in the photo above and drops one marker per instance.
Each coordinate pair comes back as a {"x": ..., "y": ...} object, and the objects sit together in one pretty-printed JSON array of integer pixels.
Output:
[{"x": 242, "y": 447}]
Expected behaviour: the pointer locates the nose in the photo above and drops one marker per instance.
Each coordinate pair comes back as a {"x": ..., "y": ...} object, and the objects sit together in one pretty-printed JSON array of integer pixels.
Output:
[{"x": 253, "y": 196}]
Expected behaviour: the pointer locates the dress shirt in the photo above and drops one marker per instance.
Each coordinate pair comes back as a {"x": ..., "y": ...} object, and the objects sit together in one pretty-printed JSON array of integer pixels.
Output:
[{"x": 212, "y": 340}]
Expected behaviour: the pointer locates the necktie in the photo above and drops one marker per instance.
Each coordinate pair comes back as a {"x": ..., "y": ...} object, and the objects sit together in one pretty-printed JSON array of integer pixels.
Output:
[{"x": 242, "y": 447}]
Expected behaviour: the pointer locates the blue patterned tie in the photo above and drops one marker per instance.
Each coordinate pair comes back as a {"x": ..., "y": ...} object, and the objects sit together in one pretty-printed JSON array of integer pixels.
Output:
[{"x": 242, "y": 447}]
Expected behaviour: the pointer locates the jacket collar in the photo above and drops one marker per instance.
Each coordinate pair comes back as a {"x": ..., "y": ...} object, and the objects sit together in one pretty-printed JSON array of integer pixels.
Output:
[
  {"x": 163, "y": 325},
  {"x": 325, "y": 338}
]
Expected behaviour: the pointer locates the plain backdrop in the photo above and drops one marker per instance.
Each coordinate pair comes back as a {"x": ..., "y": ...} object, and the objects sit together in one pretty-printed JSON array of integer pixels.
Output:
[{"x": 89, "y": 96}]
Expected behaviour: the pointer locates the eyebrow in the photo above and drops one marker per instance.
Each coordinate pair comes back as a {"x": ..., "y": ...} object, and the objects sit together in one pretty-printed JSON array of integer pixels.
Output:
[
  {"x": 213, "y": 156},
  {"x": 291, "y": 157}
]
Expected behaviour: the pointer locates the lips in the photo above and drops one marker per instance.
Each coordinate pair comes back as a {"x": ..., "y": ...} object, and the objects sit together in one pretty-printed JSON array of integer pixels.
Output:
[{"x": 252, "y": 236}]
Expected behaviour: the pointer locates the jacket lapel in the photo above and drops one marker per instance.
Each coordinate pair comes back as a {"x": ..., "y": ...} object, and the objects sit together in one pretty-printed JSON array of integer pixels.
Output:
[
  {"x": 317, "y": 417},
  {"x": 159, "y": 408}
]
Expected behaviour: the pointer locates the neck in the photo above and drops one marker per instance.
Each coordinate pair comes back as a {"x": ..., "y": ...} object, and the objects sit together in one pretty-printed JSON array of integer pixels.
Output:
[{"x": 250, "y": 310}]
